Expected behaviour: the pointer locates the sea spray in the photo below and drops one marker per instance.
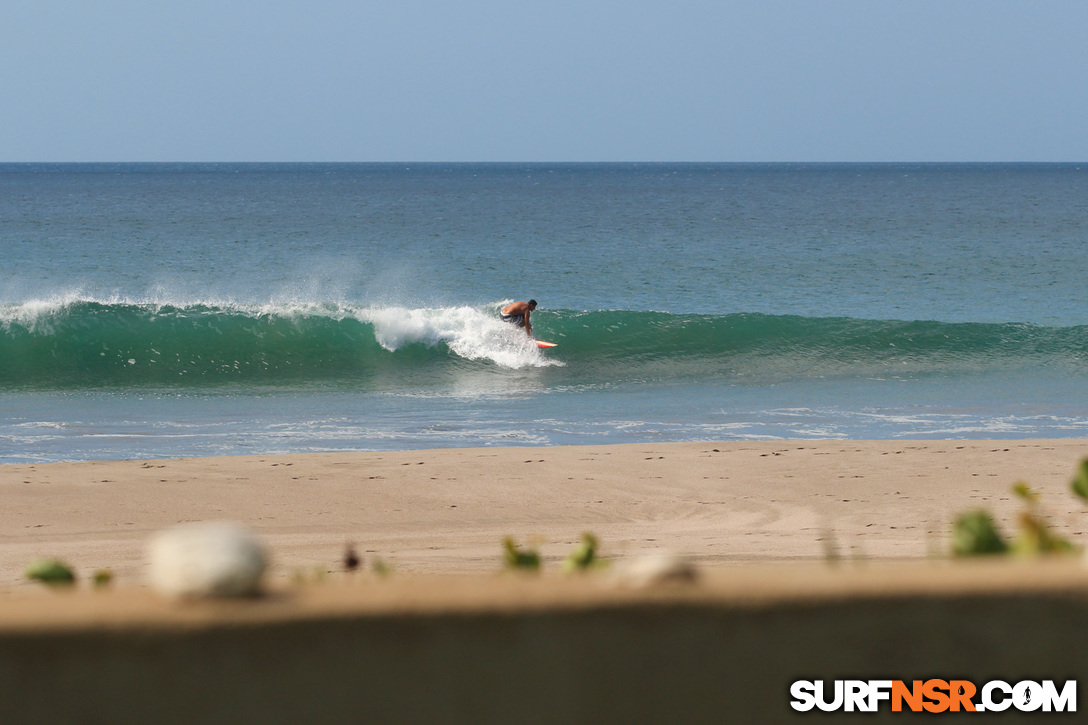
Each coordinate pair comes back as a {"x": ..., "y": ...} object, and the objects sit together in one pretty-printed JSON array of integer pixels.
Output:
[{"x": 468, "y": 332}]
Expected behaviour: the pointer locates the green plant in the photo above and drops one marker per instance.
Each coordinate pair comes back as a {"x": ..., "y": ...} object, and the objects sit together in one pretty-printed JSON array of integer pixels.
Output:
[
  {"x": 380, "y": 567},
  {"x": 51, "y": 572},
  {"x": 517, "y": 559},
  {"x": 1036, "y": 536},
  {"x": 1080, "y": 480},
  {"x": 584, "y": 557},
  {"x": 975, "y": 533}
]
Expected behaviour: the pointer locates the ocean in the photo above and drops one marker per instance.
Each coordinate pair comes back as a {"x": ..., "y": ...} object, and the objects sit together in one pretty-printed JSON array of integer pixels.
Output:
[{"x": 168, "y": 310}]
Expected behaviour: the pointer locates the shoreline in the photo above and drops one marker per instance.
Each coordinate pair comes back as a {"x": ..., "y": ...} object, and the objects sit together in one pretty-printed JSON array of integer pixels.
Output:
[{"x": 447, "y": 510}]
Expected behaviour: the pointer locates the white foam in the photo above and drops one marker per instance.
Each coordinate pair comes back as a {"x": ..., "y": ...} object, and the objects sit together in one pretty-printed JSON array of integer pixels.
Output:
[{"x": 469, "y": 332}]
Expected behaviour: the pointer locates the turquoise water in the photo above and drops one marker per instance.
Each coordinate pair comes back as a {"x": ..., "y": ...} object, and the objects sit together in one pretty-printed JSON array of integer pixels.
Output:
[{"x": 154, "y": 310}]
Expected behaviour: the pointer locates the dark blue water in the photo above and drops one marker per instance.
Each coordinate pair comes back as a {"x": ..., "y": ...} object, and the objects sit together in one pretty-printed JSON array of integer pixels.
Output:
[{"x": 163, "y": 310}]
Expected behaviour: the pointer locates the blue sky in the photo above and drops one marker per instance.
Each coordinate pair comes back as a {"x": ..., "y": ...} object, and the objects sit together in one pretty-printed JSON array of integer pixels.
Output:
[{"x": 528, "y": 80}]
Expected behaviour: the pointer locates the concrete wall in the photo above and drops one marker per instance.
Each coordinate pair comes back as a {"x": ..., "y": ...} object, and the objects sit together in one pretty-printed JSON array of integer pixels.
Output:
[{"x": 666, "y": 660}]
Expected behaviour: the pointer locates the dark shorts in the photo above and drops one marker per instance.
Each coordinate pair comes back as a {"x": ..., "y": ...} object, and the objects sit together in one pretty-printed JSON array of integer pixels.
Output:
[{"x": 518, "y": 320}]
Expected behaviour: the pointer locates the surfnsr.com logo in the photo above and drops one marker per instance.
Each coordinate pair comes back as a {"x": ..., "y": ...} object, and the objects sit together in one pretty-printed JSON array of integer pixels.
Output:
[{"x": 933, "y": 696}]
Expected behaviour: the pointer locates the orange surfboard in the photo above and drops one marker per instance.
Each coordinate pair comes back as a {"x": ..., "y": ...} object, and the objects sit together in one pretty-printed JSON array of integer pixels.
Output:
[{"x": 541, "y": 343}]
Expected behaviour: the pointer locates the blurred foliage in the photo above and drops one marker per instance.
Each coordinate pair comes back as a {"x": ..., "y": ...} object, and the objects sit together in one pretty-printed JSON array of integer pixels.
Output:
[
  {"x": 1080, "y": 480},
  {"x": 51, "y": 572},
  {"x": 975, "y": 532},
  {"x": 380, "y": 566},
  {"x": 519, "y": 559},
  {"x": 584, "y": 557}
]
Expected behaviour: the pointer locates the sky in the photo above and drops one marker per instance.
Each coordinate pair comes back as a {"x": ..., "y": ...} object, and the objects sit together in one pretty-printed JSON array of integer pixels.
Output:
[{"x": 544, "y": 80}]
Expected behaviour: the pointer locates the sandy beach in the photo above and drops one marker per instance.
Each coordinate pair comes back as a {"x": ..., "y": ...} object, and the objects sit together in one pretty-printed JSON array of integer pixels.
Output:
[
  {"x": 447, "y": 511},
  {"x": 447, "y": 639}
]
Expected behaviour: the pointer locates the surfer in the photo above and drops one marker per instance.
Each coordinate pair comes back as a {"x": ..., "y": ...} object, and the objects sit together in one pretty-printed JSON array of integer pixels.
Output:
[{"x": 518, "y": 314}]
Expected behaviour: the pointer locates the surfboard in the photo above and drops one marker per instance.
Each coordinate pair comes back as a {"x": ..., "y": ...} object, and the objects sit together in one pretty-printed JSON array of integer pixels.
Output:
[{"x": 541, "y": 343}]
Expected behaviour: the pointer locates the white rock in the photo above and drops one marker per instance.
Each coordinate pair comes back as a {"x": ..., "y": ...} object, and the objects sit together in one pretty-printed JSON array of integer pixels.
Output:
[
  {"x": 206, "y": 559},
  {"x": 655, "y": 569}
]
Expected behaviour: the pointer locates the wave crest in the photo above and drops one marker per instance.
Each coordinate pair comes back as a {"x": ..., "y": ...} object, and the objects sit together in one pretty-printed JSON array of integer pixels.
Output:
[
  {"x": 73, "y": 341},
  {"x": 78, "y": 342}
]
